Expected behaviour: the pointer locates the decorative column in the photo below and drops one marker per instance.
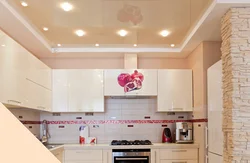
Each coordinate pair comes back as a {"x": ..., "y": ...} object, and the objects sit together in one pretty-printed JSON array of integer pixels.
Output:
[{"x": 235, "y": 31}]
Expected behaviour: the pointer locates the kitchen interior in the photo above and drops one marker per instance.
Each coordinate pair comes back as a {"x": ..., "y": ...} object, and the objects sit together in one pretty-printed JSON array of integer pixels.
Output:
[{"x": 112, "y": 81}]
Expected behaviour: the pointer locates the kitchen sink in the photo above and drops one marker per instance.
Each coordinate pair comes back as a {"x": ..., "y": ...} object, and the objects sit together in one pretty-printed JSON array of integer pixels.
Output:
[{"x": 50, "y": 146}]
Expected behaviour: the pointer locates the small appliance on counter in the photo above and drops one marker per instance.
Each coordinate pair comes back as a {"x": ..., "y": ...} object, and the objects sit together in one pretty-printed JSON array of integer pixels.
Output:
[
  {"x": 184, "y": 132},
  {"x": 166, "y": 136}
]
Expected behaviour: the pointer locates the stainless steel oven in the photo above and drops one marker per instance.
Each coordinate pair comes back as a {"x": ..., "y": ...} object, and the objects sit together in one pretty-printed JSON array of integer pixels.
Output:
[{"x": 131, "y": 156}]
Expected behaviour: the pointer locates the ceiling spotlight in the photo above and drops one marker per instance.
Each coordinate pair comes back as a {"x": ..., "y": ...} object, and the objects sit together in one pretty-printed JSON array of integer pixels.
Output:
[
  {"x": 135, "y": 45},
  {"x": 97, "y": 45},
  {"x": 59, "y": 45},
  {"x": 80, "y": 33},
  {"x": 3, "y": 45},
  {"x": 24, "y": 4},
  {"x": 45, "y": 28},
  {"x": 164, "y": 33},
  {"x": 172, "y": 45},
  {"x": 66, "y": 6},
  {"x": 123, "y": 33}
]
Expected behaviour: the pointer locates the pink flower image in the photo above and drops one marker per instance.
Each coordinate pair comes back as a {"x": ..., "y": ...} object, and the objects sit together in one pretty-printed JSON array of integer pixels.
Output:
[{"x": 130, "y": 13}]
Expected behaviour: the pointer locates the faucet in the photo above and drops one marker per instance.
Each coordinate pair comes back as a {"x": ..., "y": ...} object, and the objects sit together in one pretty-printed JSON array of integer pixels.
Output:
[{"x": 46, "y": 134}]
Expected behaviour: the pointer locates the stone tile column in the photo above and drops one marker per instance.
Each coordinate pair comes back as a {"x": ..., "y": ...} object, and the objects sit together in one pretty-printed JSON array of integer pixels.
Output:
[{"x": 235, "y": 31}]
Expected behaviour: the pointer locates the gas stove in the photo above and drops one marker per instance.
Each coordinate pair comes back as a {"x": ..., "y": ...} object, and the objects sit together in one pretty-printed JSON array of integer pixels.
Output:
[{"x": 131, "y": 142}]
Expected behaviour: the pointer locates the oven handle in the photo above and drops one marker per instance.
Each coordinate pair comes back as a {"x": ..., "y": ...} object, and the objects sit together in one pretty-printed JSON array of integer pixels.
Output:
[{"x": 123, "y": 159}]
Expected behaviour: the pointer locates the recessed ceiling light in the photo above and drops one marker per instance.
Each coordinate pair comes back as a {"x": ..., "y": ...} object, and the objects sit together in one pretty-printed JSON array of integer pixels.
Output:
[
  {"x": 66, "y": 6},
  {"x": 3, "y": 45},
  {"x": 80, "y": 33},
  {"x": 45, "y": 28},
  {"x": 24, "y": 4},
  {"x": 59, "y": 45},
  {"x": 164, "y": 33},
  {"x": 123, "y": 33},
  {"x": 97, "y": 45},
  {"x": 135, "y": 45},
  {"x": 172, "y": 45}
]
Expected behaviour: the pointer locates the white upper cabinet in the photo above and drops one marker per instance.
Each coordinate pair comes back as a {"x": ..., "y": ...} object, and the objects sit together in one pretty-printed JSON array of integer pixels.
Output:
[
  {"x": 22, "y": 85},
  {"x": 175, "y": 90},
  {"x": 60, "y": 90},
  {"x": 40, "y": 73},
  {"x": 123, "y": 82},
  {"x": 78, "y": 91},
  {"x": 14, "y": 66}
]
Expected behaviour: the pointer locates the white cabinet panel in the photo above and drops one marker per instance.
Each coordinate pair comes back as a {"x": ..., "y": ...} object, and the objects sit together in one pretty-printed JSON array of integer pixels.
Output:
[
  {"x": 180, "y": 161},
  {"x": 155, "y": 156},
  {"x": 85, "y": 90},
  {"x": 83, "y": 155},
  {"x": 215, "y": 108},
  {"x": 14, "y": 66},
  {"x": 178, "y": 154},
  {"x": 128, "y": 80},
  {"x": 107, "y": 156},
  {"x": 60, "y": 91},
  {"x": 38, "y": 97},
  {"x": 39, "y": 72},
  {"x": 174, "y": 90},
  {"x": 78, "y": 91}
]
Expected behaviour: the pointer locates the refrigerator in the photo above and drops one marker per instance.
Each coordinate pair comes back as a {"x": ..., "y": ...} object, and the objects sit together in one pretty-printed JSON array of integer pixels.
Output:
[{"x": 214, "y": 134}]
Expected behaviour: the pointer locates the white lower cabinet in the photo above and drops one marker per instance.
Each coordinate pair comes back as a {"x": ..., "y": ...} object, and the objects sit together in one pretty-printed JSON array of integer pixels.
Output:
[
  {"x": 83, "y": 156},
  {"x": 179, "y": 161},
  {"x": 107, "y": 156},
  {"x": 178, "y": 156},
  {"x": 155, "y": 156}
]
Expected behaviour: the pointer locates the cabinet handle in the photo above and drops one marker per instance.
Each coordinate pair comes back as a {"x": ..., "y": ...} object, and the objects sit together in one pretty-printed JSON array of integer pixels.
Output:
[
  {"x": 206, "y": 135},
  {"x": 179, "y": 150},
  {"x": 179, "y": 161},
  {"x": 206, "y": 159},
  {"x": 18, "y": 102}
]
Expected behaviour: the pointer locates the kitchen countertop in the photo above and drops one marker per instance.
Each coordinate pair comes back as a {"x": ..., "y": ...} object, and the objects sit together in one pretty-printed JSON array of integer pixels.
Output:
[{"x": 108, "y": 146}]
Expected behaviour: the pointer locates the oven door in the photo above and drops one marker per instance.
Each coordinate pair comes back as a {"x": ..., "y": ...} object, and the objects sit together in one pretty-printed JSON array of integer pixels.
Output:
[{"x": 136, "y": 159}]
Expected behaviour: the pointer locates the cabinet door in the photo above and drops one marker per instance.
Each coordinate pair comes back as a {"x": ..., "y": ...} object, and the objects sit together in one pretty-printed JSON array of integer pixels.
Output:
[
  {"x": 107, "y": 156},
  {"x": 60, "y": 90},
  {"x": 180, "y": 161},
  {"x": 155, "y": 156},
  {"x": 174, "y": 90},
  {"x": 14, "y": 66},
  {"x": 38, "y": 97},
  {"x": 147, "y": 84},
  {"x": 85, "y": 90},
  {"x": 39, "y": 72}
]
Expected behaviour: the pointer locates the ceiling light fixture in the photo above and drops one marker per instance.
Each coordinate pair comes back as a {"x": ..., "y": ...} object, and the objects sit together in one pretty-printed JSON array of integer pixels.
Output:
[
  {"x": 122, "y": 33},
  {"x": 24, "y": 4},
  {"x": 164, "y": 33},
  {"x": 3, "y": 45},
  {"x": 45, "y": 28},
  {"x": 172, "y": 45},
  {"x": 80, "y": 33},
  {"x": 66, "y": 6},
  {"x": 97, "y": 45},
  {"x": 59, "y": 45},
  {"x": 135, "y": 45}
]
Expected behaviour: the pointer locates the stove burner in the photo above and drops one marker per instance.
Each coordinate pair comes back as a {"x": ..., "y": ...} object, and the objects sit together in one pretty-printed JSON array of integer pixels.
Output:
[{"x": 135, "y": 142}]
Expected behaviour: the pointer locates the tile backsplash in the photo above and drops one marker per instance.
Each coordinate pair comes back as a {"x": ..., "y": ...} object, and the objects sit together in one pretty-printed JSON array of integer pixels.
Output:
[
  {"x": 30, "y": 119},
  {"x": 130, "y": 119}
]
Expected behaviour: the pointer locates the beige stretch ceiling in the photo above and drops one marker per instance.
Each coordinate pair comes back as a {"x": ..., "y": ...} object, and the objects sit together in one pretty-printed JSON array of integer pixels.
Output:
[{"x": 101, "y": 19}]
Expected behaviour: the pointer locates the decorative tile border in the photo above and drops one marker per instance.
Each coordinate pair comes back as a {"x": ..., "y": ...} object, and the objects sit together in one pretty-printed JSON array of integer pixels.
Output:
[{"x": 116, "y": 121}]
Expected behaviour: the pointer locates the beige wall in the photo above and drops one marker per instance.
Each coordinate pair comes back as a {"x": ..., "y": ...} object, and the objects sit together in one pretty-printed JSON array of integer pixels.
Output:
[{"x": 113, "y": 63}]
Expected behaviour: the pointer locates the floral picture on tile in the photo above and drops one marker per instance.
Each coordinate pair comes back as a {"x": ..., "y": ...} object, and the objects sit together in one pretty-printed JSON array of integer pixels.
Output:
[{"x": 130, "y": 82}]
